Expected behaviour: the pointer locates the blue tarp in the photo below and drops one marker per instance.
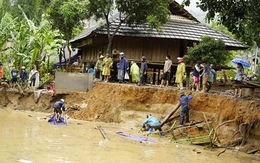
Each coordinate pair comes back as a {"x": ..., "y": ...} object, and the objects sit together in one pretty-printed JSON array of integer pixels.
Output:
[
  {"x": 55, "y": 122},
  {"x": 73, "y": 59},
  {"x": 139, "y": 138}
]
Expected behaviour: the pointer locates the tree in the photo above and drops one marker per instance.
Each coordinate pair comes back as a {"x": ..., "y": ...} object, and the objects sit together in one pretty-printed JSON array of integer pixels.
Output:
[
  {"x": 7, "y": 23},
  {"x": 240, "y": 17},
  {"x": 221, "y": 28},
  {"x": 66, "y": 15},
  {"x": 31, "y": 8},
  {"x": 149, "y": 13},
  {"x": 209, "y": 49},
  {"x": 32, "y": 45}
]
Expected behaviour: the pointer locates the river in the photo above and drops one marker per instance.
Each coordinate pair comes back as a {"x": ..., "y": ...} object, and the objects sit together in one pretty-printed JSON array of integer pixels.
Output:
[{"x": 27, "y": 138}]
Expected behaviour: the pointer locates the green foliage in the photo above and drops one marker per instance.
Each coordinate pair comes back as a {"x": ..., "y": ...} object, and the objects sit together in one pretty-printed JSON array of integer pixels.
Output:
[
  {"x": 65, "y": 15},
  {"x": 231, "y": 74},
  {"x": 258, "y": 77},
  {"x": 209, "y": 49},
  {"x": 152, "y": 13},
  {"x": 31, "y": 8},
  {"x": 7, "y": 24},
  {"x": 31, "y": 44},
  {"x": 240, "y": 17},
  {"x": 221, "y": 28}
]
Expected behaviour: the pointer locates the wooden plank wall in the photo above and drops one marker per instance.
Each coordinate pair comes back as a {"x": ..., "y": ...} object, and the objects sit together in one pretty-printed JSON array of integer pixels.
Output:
[{"x": 155, "y": 49}]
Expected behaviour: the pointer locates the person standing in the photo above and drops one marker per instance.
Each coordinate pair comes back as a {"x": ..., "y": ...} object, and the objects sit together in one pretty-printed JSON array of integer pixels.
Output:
[
  {"x": 143, "y": 71},
  {"x": 211, "y": 78},
  {"x": 135, "y": 72},
  {"x": 1, "y": 70},
  {"x": 184, "y": 100},
  {"x": 115, "y": 53},
  {"x": 59, "y": 106},
  {"x": 14, "y": 76},
  {"x": 107, "y": 64},
  {"x": 238, "y": 79},
  {"x": 166, "y": 71},
  {"x": 181, "y": 69},
  {"x": 33, "y": 76},
  {"x": 196, "y": 77},
  {"x": 123, "y": 67},
  {"x": 99, "y": 67},
  {"x": 4, "y": 84},
  {"x": 206, "y": 71},
  {"x": 23, "y": 75}
]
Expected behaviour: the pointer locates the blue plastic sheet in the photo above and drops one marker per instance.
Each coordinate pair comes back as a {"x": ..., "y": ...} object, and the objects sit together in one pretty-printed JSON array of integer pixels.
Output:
[
  {"x": 55, "y": 122},
  {"x": 140, "y": 138}
]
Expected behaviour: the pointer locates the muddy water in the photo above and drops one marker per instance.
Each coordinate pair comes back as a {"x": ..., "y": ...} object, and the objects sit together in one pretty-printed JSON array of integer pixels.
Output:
[{"x": 25, "y": 137}]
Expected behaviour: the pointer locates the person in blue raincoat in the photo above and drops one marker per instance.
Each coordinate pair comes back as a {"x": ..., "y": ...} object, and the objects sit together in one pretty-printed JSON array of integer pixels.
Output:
[
  {"x": 151, "y": 122},
  {"x": 184, "y": 100},
  {"x": 123, "y": 67}
]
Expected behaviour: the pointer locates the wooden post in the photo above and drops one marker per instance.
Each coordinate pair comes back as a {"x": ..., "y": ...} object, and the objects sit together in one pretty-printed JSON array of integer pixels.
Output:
[
  {"x": 172, "y": 118},
  {"x": 102, "y": 132},
  {"x": 154, "y": 75},
  {"x": 188, "y": 78},
  {"x": 176, "y": 107},
  {"x": 158, "y": 79}
]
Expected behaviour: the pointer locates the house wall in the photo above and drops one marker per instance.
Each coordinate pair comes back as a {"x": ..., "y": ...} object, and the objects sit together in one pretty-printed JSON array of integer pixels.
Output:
[{"x": 134, "y": 48}]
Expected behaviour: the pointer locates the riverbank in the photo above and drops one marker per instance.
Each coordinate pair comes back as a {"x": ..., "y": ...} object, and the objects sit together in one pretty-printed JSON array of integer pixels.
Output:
[{"x": 129, "y": 104}]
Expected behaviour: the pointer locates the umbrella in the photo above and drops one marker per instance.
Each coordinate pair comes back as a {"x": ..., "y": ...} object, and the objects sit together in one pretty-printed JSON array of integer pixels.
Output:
[{"x": 243, "y": 62}]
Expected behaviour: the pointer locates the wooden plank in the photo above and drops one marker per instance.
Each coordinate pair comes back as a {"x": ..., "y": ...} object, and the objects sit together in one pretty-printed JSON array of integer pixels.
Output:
[
  {"x": 102, "y": 132},
  {"x": 251, "y": 83},
  {"x": 243, "y": 86}
]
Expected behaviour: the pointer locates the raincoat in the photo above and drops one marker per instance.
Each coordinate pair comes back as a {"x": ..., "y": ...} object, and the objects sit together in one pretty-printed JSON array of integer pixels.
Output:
[
  {"x": 152, "y": 121},
  {"x": 107, "y": 64},
  {"x": 135, "y": 72},
  {"x": 36, "y": 76},
  {"x": 184, "y": 100},
  {"x": 99, "y": 65},
  {"x": 180, "y": 72},
  {"x": 124, "y": 66}
]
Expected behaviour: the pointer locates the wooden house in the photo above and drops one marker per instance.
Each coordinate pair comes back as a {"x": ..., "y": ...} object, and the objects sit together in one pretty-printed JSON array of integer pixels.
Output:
[{"x": 181, "y": 31}]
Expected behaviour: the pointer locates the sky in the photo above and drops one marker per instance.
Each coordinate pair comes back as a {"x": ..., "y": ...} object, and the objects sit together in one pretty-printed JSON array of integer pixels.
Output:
[{"x": 196, "y": 12}]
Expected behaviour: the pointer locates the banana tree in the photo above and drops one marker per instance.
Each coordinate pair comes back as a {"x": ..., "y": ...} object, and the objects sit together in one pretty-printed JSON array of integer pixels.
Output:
[{"x": 33, "y": 43}]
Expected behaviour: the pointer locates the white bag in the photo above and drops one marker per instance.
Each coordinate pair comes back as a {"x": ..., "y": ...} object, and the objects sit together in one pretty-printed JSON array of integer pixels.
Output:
[{"x": 126, "y": 76}]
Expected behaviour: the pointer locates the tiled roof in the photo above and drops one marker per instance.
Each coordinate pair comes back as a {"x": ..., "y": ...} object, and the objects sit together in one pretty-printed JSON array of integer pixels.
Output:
[
  {"x": 182, "y": 25},
  {"x": 177, "y": 28}
]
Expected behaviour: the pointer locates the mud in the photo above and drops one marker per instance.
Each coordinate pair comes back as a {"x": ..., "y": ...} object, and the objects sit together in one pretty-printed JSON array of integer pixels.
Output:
[
  {"x": 129, "y": 104},
  {"x": 26, "y": 138}
]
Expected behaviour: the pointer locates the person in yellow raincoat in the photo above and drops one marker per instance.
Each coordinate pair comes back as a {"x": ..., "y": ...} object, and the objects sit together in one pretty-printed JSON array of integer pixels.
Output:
[
  {"x": 135, "y": 72},
  {"x": 180, "y": 73},
  {"x": 107, "y": 64}
]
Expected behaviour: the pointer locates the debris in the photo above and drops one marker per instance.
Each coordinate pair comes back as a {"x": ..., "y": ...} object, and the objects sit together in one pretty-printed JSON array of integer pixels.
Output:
[
  {"x": 102, "y": 132},
  {"x": 252, "y": 151}
]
